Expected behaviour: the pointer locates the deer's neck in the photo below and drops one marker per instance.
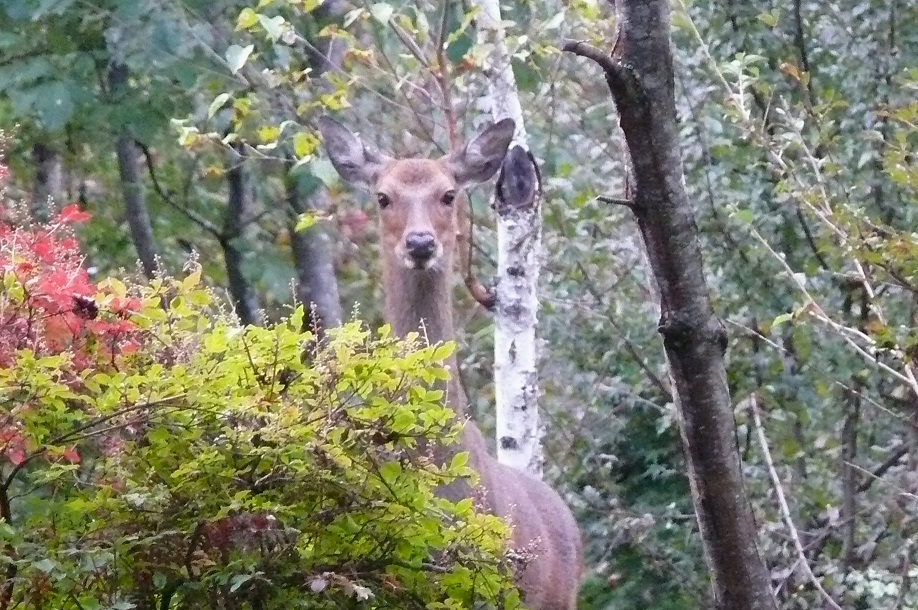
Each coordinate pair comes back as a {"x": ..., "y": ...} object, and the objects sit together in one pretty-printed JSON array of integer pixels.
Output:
[{"x": 421, "y": 301}]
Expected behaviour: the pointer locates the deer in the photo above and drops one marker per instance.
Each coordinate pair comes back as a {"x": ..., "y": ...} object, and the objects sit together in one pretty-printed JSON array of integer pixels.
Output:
[{"x": 417, "y": 200}]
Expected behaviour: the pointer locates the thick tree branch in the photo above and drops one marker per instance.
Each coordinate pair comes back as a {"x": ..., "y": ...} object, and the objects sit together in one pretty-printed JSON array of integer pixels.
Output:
[
  {"x": 640, "y": 76},
  {"x": 623, "y": 81}
]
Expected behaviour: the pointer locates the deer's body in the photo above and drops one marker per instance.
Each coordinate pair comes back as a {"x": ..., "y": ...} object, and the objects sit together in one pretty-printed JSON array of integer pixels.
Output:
[{"x": 418, "y": 239}]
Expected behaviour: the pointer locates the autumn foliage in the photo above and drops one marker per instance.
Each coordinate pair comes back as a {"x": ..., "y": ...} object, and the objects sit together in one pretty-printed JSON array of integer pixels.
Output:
[
  {"x": 49, "y": 307},
  {"x": 49, "y": 304}
]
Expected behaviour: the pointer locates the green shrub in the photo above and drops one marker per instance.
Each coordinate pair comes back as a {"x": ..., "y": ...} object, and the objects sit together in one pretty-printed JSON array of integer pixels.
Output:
[{"x": 157, "y": 455}]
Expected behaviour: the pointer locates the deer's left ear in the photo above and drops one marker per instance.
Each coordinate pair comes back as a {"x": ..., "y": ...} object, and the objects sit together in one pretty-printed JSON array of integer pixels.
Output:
[{"x": 482, "y": 157}]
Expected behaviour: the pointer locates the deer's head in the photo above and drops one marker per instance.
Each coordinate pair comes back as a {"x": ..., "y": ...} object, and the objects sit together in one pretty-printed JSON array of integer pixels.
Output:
[{"x": 416, "y": 196}]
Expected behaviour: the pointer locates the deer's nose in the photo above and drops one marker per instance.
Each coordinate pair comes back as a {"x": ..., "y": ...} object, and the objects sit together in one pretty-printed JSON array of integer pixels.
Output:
[{"x": 420, "y": 245}]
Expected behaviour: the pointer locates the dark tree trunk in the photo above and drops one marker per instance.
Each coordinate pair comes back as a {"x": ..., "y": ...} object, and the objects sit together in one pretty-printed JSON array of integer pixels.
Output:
[
  {"x": 132, "y": 187},
  {"x": 850, "y": 476},
  {"x": 312, "y": 249},
  {"x": 317, "y": 286},
  {"x": 49, "y": 179},
  {"x": 238, "y": 214},
  {"x": 639, "y": 72}
]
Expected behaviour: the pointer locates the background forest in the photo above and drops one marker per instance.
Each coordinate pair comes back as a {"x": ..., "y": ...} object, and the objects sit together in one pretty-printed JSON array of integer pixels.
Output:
[{"x": 185, "y": 129}]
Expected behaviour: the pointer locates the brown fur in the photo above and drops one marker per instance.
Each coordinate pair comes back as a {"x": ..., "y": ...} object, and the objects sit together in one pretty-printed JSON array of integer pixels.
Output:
[{"x": 421, "y": 300}]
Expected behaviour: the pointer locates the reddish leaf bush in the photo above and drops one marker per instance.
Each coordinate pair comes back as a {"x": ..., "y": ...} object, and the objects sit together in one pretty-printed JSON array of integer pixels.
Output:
[{"x": 49, "y": 305}]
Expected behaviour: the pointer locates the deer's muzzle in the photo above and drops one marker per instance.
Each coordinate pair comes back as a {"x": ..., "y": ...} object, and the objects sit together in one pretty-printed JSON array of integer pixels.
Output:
[{"x": 421, "y": 247}]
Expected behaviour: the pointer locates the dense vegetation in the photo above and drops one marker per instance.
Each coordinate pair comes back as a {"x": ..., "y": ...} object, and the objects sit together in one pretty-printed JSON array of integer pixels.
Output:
[
  {"x": 157, "y": 452},
  {"x": 184, "y": 128}
]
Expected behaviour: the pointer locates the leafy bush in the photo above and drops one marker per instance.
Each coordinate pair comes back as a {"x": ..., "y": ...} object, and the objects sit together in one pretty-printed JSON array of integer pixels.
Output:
[{"x": 157, "y": 455}]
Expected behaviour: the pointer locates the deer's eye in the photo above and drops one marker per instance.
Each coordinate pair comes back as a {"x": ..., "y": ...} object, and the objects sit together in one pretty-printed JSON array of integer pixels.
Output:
[
  {"x": 383, "y": 200},
  {"x": 448, "y": 197}
]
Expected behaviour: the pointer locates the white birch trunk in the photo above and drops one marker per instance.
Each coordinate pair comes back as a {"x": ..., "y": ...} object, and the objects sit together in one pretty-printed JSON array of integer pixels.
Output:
[{"x": 519, "y": 237}]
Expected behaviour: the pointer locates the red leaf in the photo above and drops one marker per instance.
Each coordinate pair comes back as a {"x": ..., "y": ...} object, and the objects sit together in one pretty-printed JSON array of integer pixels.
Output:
[
  {"x": 71, "y": 455},
  {"x": 44, "y": 248},
  {"x": 72, "y": 214},
  {"x": 16, "y": 454}
]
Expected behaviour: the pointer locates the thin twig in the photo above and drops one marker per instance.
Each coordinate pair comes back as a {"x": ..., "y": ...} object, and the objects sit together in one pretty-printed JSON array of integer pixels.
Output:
[
  {"x": 629, "y": 346},
  {"x": 903, "y": 492},
  {"x": 782, "y": 502},
  {"x": 168, "y": 198},
  {"x": 849, "y": 335},
  {"x": 486, "y": 297},
  {"x": 79, "y": 430},
  {"x": 900, "y": 452}
]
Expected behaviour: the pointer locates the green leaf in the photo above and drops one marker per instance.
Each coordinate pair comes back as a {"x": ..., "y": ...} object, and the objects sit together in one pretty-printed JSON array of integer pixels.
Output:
[
  {"x": 459, "y": 461},
  {"x": 783, "y": 318},
  {"x": 744, "y": 216},
  {"x": 51, "y": 6},
  {"x": 217, "y": 104},
  {"x": 305, "y": 221},
  {"x": 239, "y": 580},
  {"x": 681, "y": 21},
  {"x": 443, "y": 351},
  {"x": 323, "y": 170},
  {"x": 236, "y": 56},
  {"x": 53, "y": 103},
  {"x": 46, "y": 565},
  {"x": 268, "y": 133},
  {"x": 390, "y": 471},
  {"x": 382, "y": 12},
  {"x": 304, "y": 144},
  {"x": 770, "y": 18},
  {"x": 403, "y": 422},
  {"x": 247, "y": 19},
  {"x": 555, "y": 22},
  {"x": 274, "y": 26}
]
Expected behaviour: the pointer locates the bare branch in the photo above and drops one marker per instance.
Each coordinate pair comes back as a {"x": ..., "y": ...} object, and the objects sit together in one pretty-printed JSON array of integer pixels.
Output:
[
  {"x": 895, "y": 457},
  {"x": 615, "y": 201},
  {"x": 782, "y": 503},
  {"x": 166, "y": 196}
]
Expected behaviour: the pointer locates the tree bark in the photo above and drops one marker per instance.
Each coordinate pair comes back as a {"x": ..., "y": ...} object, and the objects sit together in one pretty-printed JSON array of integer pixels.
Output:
[
  {"x": 519, "y": 243},
  {"x": 317, "y": 286},
  {"x": 132, "y": 187},
  {"x": 49, "y": 179},
  {"x": 639, "y": 72},
  {"x": 238, "y": 214},
  {"x": 312, "y": 249}
]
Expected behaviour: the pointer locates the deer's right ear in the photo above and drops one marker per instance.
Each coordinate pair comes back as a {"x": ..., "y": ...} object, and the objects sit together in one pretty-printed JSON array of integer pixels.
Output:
[{"x": 356, "y": 162}]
